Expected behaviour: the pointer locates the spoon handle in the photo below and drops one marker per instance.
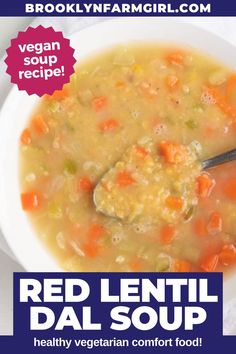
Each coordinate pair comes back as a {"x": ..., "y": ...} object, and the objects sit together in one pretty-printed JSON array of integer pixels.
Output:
[{"x": 220, "y": 159}]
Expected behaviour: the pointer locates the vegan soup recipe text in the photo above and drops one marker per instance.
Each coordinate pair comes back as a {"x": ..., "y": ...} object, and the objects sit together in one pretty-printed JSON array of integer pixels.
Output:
[{"x": 110, "y": 166}]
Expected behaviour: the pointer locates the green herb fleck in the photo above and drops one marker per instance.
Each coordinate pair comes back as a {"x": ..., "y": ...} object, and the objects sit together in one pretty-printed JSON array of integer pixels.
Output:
[
  {"x": 191, "y": 124},
  {"x": 70, "y": 167}
]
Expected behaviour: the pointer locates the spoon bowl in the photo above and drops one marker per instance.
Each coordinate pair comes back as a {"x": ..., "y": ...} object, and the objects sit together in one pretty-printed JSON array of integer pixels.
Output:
[{"x": 148, "y": 202}]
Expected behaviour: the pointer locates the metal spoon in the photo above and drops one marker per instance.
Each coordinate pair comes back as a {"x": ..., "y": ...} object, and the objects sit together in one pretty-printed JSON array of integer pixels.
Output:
[{"x": 219, "y": 159}]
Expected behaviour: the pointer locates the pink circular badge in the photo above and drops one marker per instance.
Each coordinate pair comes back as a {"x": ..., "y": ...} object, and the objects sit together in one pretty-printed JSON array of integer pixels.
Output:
[{"x": 40, "y": 60}]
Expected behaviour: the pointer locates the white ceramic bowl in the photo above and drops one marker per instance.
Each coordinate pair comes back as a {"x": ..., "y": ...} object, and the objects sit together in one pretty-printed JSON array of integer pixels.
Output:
[{"x": 18, "y": 107}]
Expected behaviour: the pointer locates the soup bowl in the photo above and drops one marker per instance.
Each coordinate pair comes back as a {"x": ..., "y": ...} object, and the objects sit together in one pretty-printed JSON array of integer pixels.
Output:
[{"x": 18, "y": 106}]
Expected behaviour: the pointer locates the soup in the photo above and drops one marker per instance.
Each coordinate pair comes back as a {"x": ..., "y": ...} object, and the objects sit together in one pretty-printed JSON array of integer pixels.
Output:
[
  {"x": 157, "y": 191},
  {"x": 118, "y": 102}
]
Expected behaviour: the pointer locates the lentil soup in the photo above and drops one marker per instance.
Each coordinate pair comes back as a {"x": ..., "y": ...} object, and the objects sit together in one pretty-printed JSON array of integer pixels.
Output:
[{"x": 155, "y": 101}]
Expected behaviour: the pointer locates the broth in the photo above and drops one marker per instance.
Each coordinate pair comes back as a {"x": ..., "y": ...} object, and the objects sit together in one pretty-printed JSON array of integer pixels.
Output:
[{"x": 119, "y": 98}]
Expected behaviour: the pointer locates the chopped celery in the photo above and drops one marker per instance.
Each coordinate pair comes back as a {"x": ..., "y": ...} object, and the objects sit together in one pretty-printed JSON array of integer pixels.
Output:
[
  {"x": 54, "y": 210},
  {"x": 199, "y": 108},
  {"x": 196, "y": 147},
  {"x": 73, "y": 80},
  {"x": 69, "y": 127},
  {"x": 189, "y": 213},
  {"x": 162, "y": 264},
  {"x": 191, "y": 124},
  {"x": 54, "y": 106},
  {"x": 70, "y": 167}
]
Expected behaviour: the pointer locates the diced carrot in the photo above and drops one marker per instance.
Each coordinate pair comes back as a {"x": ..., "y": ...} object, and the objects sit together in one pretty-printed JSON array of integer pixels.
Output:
[
  {"x": 31, "y": 200},
  {"x": 167, "y": 233},
  {"x": 226, "y": 107},
  {"x": 229, "y": 188},
  {"x": 233, "y": 125},
  {"x": 227, "y": 255},
  {"x": 220, "y": 100},
  {"x": 181, "y": 265},
  {"x": 205, "y": 184},
  {"x": 230, "y": 90},
  {"x": 85, "y": 184},
  {"x": 99, "y": 103},
  {"x": 199, "y": 227},
  {"x": 25, "y": 137},
  {"x": 95, "y": 232},
  {"x": 175, "y": 203},
  {"x": 74, "y": 229},
  {"x": 176, "y": 57},
  {"x": 135, "y": 264},
  {"x": 215, "y": 223},
  {"x": 39, "y": 125},
  {"x": 141, "y": 151},
  {"x": 209, "y": 263},
  {"x": 120, "y": 84},
  {"x": 59, "y": 95},
  {"x": 91, "y": 249},
  {"x": 212, "y": 247},
  {"x": 172, "y": 152},
  {"x": 108, "y": 125},
  {"x": 172, "y": 82},
  {"x": 124, "y": 178}
]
